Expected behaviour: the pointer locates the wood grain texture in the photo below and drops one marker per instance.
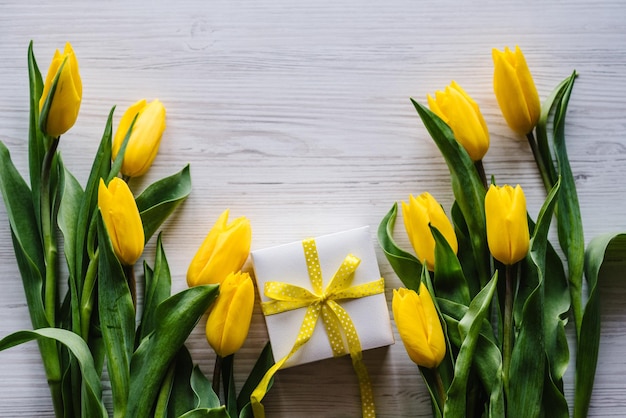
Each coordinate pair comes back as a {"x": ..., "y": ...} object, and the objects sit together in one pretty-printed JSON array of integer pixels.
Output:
[{"x": 296, "y": 114}]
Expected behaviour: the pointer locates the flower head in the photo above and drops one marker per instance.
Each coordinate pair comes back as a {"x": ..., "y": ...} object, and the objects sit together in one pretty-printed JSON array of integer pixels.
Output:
[
  {"x": 224, "y": 251},
  {"x": 419, "y": 326},
  {"x": 515, "y": 90},
  {"x": 418, "y": 214},
  {"x": 145, "y": 136},
  {"x": 456, "y": 108},
  {"x": 63, "y": 101},
  {"x": 507, "y": 223},
  {"x": 229, "y": 320},
  {"x": 122, "y": 220}
]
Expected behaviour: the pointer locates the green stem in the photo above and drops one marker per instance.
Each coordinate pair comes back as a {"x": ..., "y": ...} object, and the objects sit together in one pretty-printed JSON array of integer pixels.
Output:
[
  {"x": 129, "y": 271},
  {"x": 481, "y": 172},
  {"x": 441, "y": 390},
  {"x": 507, "y": 343},
  {"x": 50, "y": 247},
  {"x": 217, "y": 371},
  {"x": 50, "y": 355},
  {"x": 87, "y": 298},
  {"x": 543, "y": 170}
]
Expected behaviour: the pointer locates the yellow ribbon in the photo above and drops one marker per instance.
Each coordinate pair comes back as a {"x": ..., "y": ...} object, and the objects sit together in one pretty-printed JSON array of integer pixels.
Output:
[{"x": 337, "y": 321}]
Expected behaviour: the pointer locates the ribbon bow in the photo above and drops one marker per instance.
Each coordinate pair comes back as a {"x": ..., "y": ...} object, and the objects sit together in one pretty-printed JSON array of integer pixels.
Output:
[{"x": 337, "y": 321}]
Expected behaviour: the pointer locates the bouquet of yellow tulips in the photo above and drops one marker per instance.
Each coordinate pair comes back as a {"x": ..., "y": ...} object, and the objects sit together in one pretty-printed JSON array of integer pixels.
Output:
[
  {"x": 487, "y": 297},
  {"x": 104, "y": 229}
]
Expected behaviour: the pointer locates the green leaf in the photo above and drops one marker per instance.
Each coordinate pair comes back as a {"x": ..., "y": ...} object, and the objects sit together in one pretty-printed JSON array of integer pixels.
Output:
[
  {"x": 203, "y": 390},
  {"x": 182, "y": 398},
  {"x": 91, "y": 391},
  {"x": 603, "y": 254},
  {"x": 159, "y": 200},
  {"x": 467, "y": 186},
  {"x": 469, "y": 329},
  {"x": 117, "y": 320},
  {"x": 465, "y": 254},
  {"x": 99, "y": 169},
  {"x": 176, "y": 317},
  {"x": 569, "y": 221},
  {"x": 36, "y": 146},
  {"x": 263, "y": 363},
  {"x": 407, "y": 267},
  {"x": 207, "y": 413},
  {"x": 157, "y": 289},
  {"x": 528, "y": 363},
  {"x": 449, "y": 279}
]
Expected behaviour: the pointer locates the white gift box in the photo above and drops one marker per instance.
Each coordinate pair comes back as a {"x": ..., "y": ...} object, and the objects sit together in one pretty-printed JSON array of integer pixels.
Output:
[{"x": 286, "y": 263}]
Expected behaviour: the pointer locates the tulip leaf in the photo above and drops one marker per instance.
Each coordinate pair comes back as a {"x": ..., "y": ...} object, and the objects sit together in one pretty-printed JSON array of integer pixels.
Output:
[
  {"x": 405, "y": 265},
  {"x": 465, "y": 255},
  {"x": 182, "y": 397},
  {"x": 467, "y": 186},
  {"x": 528, "y": 360},
  {"x": 449, "y": 279},
  {"x": 36, "y": 146},
  {"x": 487, "y": 357},
  {"x": 159, "y": 200},
  {"x": 469, "y": 329},
  {"x": 99, "y": 169},
  {"x": 604, "y": 259},
  {"x": 158, "y": 283},
  {"x": 205, "y": 397},
  {"x": 175, "y": 319},
  {"x": 117, "y": 320},
  {"x": 207, "y": 413},
  {"x": 263, "y": 363},
  {"x": 91, "y": 392}
]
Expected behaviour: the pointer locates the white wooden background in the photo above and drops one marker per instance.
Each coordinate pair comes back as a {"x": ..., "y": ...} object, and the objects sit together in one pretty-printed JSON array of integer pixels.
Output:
[{"x": 296, "y": 114}]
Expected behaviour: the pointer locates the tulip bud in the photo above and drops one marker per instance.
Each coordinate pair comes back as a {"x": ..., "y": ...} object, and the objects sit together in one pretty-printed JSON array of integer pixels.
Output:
[
  {"x": 507, "y": 223},
  {"x": 224, "y": 251},
  {"x": 456, "y": 108},
  {"x": 418, "y": 214},
  {"x": 419, "y": 326},
  {"x": 515, "y": 90},
  {"x": 145, "y": 136},
  {"x": 122, "y": 220},
  {"x": 229, "y": 319},
  {"x": 60, "y": 102}
]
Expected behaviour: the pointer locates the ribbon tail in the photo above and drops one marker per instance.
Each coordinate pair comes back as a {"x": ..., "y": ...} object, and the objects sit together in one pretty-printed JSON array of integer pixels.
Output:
[
  {"x": 263, "y": 387},
  {"x": 365, "y": 386}
]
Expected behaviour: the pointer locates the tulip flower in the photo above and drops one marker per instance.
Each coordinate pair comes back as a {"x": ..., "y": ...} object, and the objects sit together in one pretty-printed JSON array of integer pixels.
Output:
[
  {"x": 121, "y": 218},
  {"x": 507, "y": 223},
  {"x": 145, "y": 136},
  {"x": 515, "y": 90},
  {"x": 418, "y": 214},
  {"x": 419, "y": 326},
  {"x": 229, "y": 319},
  {"x": 456, "y": 108},
  {"x": 224, "y": 251},
  {"x": 63, "y": 101}
]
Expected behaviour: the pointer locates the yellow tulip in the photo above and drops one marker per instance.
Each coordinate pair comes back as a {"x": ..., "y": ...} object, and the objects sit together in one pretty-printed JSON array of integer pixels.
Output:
[
  {"x": 515, "y": 90},
  {"x": 121, "y": 218},
  {"x": 507, "y": 223},
  {"x": 456, "y": 108},
  {"x": 418, "y": 214},
  {"x": 419, "y": 326},
  {"x": 64, "y": 101},
  {"x": 229, "y": 319},
  {"x": 145, "y": 136},
  {"x": 224, "y": 251}
]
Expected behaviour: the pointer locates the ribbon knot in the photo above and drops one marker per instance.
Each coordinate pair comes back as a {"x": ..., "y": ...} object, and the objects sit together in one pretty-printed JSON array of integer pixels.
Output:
[{"x": 336, "y": 320}]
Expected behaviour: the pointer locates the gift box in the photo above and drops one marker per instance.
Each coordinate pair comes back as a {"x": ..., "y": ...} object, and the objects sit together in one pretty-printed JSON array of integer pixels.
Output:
[{"x": 288, "y": 264}]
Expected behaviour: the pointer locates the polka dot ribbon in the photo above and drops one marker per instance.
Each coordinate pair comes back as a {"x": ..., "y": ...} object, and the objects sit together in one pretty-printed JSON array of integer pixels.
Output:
[{"x": 336, "y": 320}]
